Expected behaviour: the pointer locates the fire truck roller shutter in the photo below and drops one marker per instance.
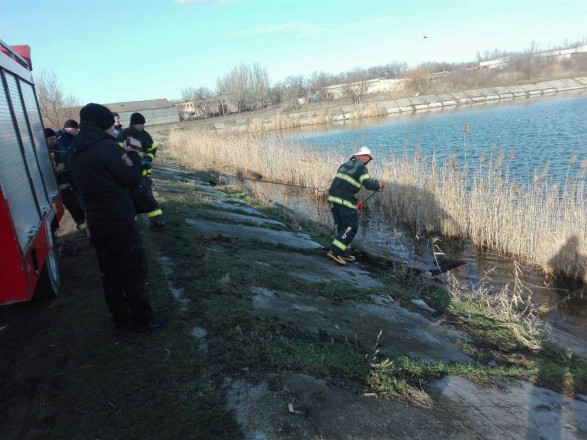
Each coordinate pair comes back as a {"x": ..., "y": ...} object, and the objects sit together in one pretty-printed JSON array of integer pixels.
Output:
[{"x": 13, "y": 177}]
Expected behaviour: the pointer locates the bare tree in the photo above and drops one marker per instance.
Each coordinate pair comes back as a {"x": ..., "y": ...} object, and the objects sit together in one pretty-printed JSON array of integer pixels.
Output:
[
  {"x": 357, "y": 84},
  {"x": 291, "y": 89},
  {"x": 319, "y": 81},
  {"x": 248, "y": 87},
  {"x": 195, "y": 94},
  {"x": 56, "y": 106}
]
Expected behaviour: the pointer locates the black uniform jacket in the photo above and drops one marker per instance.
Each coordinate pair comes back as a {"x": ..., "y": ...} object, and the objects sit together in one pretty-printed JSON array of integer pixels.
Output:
[
  {"x": 102, "y": 174},
  {"x": 148, "y": 147},
  {"x": 348, "y": 181}
]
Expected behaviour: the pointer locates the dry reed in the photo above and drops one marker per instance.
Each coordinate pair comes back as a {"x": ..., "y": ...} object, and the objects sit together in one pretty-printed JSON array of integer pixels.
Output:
[{"x": 543, "y": 223}]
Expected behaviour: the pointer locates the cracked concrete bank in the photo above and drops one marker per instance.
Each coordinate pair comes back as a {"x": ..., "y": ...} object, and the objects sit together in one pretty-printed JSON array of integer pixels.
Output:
[{"x": 307, "y": 407}]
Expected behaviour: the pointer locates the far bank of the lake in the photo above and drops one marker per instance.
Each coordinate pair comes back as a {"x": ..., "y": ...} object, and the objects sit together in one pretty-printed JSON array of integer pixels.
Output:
[{"x": 333, "y": 112}]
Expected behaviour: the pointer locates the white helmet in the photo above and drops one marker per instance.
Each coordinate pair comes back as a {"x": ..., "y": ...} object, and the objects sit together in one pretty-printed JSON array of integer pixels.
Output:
[{"x": 363, "y": 151}]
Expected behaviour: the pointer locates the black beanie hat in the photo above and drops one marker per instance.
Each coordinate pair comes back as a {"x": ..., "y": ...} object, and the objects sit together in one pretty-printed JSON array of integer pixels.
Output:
[
  {"x": 98, "y": 114},
  {"x": 49, "y": 132},
  {"x": 137, "y": 118},
  {"x": 114, "y": 114},
  {"x": 70, "y": 123}
]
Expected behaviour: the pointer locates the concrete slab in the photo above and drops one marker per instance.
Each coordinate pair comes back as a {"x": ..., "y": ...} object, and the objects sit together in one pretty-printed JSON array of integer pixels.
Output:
[
  {"x": 522, "y": 412},
  {"x": 305, "y": 407},
  {"x": 206, "y": 190},
  {"x": 309, "y": 408},
  {"x": 234, "y": 201},
  {"x": 341, "y": 117},
  {"x": 461, "y": 98},
  {"x": 449, "y": 103},
  {"x": 316, "y": 268},
  {"x": 277, "y": 238},
  {"x": 473, "y": 93},
  {"x": 499, "y": 90},
  {"x": 403, "y": 102},
  {"x": 240, "y": 218},
  {"x": 416, "y": 100},
  {"x": 396, "y": 330},
  {"x": 389, "y": 106},
  {"x": 516, "y": 90},
  {"x": 529, "y": 88},
  {"x": 242, "y": 209},
  {"x": 431, "y": 99},
  {"x": 582, "y": 80},
  {"x": 445, "y": 97}
]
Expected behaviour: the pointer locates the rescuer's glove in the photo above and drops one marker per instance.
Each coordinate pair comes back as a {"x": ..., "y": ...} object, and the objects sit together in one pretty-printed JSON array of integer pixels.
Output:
[
  {"x": 360, "y": 207},
  {"x": 147, "y": 163},
  {"x": 382, "y": 185}
]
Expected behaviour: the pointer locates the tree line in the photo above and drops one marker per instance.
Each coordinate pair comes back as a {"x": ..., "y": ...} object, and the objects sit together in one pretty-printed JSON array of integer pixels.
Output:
[{"x": 248, "y": 87}]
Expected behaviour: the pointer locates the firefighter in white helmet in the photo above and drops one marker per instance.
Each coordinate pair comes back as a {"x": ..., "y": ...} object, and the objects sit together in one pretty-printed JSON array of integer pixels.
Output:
[{"x": 350, "y": 177}]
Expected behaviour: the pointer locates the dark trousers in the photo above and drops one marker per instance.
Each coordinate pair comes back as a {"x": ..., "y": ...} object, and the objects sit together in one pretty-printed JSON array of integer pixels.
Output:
[
  {"x": 72, "y": 204},
  {"x": 122, "y": 260},
  {"x": 347, "y": 224},
  {"x": 144, "y": 200}
]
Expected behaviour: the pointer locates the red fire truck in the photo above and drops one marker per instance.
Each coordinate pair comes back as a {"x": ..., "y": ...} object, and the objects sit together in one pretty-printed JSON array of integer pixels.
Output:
[{"x": 29, "y": 195}]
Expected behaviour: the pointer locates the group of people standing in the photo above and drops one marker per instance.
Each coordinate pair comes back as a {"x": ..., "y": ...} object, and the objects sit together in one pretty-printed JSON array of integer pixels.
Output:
[{"x": 104, "y": 174}]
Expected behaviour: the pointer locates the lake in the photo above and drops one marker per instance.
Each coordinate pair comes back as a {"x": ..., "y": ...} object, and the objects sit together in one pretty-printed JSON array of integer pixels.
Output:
[{"x": 539, "y": 130}]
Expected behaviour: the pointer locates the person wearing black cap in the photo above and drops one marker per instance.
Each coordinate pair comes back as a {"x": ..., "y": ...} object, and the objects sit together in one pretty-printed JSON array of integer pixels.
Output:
[
  {"x": 65, "y": 138},
  {"x": 70, "y": 199},
  {"x": 117, "y": 124},
  {"x": 51, "y": 137},
  {"x": 143, "y": 194},
  {"x": 103, "y": 173}
]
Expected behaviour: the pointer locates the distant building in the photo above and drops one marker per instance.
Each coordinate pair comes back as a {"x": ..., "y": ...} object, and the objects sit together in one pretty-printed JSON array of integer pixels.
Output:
[
  {"x": 378, "y": 85},
  {"x": 206, "y": 108},
  {"x": 560, "y": 54},
  {"x": 155, "y": 111}
]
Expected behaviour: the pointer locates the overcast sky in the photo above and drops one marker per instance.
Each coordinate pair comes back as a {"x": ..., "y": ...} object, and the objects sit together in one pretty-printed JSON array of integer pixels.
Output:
[{"x": 110, "y": 51}]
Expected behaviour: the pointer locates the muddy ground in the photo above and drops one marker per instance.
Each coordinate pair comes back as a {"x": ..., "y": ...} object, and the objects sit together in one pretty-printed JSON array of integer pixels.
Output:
[{"x": 268, "y": 340}]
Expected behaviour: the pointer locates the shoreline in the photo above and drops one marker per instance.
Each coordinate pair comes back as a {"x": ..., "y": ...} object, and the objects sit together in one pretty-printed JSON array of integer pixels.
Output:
[{"x": 335, "y": 114}]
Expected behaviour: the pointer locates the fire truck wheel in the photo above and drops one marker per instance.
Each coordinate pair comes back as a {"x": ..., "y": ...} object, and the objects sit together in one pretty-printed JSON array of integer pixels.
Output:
[{"x": 49, "y": 284}]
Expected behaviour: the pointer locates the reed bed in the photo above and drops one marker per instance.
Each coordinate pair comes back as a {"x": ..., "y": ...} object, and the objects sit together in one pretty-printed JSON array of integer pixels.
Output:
[{"x": 542, "y": 222}]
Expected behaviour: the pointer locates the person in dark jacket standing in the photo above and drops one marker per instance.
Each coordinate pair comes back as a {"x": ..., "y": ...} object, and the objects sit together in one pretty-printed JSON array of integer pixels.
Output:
[
  {"x": 350, "y": 177},
  {"x": 64, "y": 141},
  {"x": 142, "y": 194},
  {"x": 103, "y": 173}
]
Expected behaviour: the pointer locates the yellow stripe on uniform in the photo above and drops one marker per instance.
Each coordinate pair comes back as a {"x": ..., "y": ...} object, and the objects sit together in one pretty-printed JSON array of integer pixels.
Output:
[
  {"x": 363, "y": 177},
  {"x": 154, "y": 213},
  {"x": 348, "y": 179},
  {"x": 342, "y": 202},
  {"x": 339, "y": 244}
]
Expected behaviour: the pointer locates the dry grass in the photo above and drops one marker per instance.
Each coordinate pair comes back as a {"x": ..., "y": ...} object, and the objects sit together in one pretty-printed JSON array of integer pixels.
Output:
[{"x": 541, "y": 222}]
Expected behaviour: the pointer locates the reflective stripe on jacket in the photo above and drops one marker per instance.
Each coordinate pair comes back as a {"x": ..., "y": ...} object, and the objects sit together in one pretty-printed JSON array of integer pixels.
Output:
[{"x": 350, "y": 177}]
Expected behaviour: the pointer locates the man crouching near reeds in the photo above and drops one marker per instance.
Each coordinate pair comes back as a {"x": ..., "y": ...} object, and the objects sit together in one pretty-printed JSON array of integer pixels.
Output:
[{"x": 342, "y": 197}]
